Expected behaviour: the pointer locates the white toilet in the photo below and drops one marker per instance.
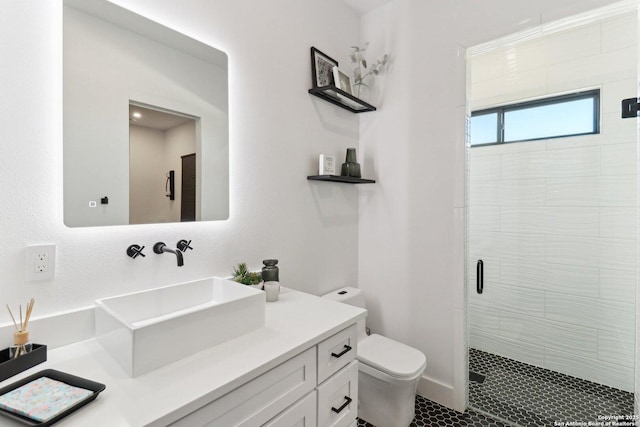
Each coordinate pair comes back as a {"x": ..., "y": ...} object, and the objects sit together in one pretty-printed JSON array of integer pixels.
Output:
[{"x": 388, "y": 375}]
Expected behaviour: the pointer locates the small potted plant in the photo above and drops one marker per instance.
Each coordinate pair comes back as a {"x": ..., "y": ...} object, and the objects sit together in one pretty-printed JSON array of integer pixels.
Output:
[{"x": 242, "y": 275}]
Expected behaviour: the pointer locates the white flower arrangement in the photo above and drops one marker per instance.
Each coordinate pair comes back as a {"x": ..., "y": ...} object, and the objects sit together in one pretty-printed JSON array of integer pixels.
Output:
[{"x": 360, "y": 71}]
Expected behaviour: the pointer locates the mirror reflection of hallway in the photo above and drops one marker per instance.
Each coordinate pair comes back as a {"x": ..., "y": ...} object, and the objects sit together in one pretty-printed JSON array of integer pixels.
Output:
[{"x": 158, "y": 141}]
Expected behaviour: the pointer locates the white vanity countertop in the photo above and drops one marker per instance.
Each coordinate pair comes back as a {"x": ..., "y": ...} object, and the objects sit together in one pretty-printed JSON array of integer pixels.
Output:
[{"x": 294, "y": 323}]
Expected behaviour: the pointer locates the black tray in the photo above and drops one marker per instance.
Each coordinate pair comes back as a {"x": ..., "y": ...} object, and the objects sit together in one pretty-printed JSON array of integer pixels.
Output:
[{"x": 72, "y": 380}]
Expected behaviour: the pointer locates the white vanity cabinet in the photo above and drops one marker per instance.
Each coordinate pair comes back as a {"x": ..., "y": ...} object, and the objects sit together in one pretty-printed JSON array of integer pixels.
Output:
[
  {"x": 301, "y": 414},
  {"x": 316, "y": 388},
  {"x": 298, "y": 370},
  {"x": 260, "y": 399},
  {"x": 338, "y": 379},
  {"x": 338, "y": 398}
]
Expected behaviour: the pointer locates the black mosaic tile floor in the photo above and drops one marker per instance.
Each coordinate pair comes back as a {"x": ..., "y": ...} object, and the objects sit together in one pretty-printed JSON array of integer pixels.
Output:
[
  {"x": 430, "y": 414},
  {"x": 526, "y": 396},
  {"x": 533, "y": 397}
]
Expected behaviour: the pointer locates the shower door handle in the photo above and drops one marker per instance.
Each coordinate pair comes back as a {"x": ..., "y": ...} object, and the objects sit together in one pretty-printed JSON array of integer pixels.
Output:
[{"x": 479, "y": 276}]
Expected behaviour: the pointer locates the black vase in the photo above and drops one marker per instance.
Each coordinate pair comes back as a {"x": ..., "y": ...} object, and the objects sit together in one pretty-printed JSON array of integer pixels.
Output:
[
  {"x": 270, "y": 271},
  {"x": 351, "y": 167}
]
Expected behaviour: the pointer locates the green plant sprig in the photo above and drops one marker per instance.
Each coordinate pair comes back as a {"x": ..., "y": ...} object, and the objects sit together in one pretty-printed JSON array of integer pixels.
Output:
[{"x": 241, "y": 274}]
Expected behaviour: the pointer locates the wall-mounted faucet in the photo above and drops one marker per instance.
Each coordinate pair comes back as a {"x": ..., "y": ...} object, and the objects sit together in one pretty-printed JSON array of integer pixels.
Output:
[{"x": 161, "y": 248}]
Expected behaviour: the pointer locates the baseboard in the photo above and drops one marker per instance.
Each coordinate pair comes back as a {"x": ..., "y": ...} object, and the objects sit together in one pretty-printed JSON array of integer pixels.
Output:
[{"x": 440, "y": 393}]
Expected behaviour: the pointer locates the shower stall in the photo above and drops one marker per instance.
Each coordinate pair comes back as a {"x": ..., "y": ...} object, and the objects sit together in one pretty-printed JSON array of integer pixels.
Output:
[{"x": 552, "y": 221}]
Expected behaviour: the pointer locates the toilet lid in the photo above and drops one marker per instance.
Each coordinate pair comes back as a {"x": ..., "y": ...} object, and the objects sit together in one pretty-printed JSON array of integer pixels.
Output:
[{"x": 391, "y": 357}]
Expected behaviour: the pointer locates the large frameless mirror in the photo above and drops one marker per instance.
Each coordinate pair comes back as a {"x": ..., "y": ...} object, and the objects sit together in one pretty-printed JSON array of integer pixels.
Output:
[{"x": 146, "y": 133}]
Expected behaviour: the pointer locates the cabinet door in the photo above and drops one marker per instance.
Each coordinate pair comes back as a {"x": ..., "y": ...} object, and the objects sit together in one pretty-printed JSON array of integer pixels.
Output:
[
  {"x": 338, "y": 398},
  {"x": 262, "y": 398},
  {"x": 301, "y": 414},
  {"x": 336, "y": 352}
]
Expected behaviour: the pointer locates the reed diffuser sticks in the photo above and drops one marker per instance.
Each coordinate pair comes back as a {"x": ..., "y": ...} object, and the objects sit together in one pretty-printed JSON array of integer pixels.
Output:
[{"x": 21, "y": 344}]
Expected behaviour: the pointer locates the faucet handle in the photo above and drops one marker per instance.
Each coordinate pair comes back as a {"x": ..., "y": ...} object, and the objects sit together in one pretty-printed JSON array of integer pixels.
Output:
[
  {"x": 183, "y": 245},
  {"x": 134, "y": 250}
]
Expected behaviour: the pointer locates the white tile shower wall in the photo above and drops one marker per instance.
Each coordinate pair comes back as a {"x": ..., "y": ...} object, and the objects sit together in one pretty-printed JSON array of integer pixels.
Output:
[{"x": 555, "y": 221}]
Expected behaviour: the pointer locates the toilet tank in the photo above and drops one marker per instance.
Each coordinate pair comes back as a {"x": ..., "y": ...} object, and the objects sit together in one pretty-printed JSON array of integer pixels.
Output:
[
  {"x": 351, "y": 296},
  {"x": 348, "y": 295}
]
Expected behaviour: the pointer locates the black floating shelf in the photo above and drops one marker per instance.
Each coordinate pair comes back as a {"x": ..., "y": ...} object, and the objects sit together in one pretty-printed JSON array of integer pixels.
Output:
[
  {"x": 342, "y": 99},
  {"x": 337, "y": 178}
]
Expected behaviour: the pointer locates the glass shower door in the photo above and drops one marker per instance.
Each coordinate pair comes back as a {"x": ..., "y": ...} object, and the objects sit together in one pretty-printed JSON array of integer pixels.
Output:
[{"x": 552, "y": 222}]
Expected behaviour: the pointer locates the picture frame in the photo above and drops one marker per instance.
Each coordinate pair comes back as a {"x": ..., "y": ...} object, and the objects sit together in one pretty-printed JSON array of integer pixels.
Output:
[
  {"x": 327, "y": 165},
  {"x": 322, "y": 68},
  {"x": 342, "y": 80}
]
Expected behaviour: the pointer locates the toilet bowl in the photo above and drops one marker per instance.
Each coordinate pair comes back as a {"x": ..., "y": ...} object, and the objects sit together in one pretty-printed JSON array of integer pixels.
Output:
[{"x": 388, "y": 374}]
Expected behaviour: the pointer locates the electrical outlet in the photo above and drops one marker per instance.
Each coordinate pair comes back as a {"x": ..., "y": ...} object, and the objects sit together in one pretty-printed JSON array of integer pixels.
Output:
[{"x": 41, "y": 262}]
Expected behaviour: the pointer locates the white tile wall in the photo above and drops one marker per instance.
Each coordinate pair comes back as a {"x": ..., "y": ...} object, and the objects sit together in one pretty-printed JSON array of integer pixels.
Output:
[
  {"x": 529, "y": 247},
  {"x": 615, "y": 32},
  {"x": 485, "y": 320},
  {"x": 555, "y": 221},
  {"x": 574, "y": 162},
  {"x": 546, "y": 333},
  {"x": 522, "y": 192},
  {"x": 552, "y": 277},
  {"x": 601, "y": 314},
  {"x": 510, "y": 299},
  {"x": 617, "y": 285},
  {"x": 527, "y": 165},
  {"x": 592, "y": 71},
  {"x": 618, "y": 159},
  {"x": 617, "y": 348},
  {"x": 503, "y": 346},
  {"x": 614, "y": 254},
  {"x": 571, "y": 221},
  {"x": 618, "y": 131},
  {"x": 583, "y": 42},
  {"x": 592, "y": 191},
  {"x": 619, "y": 223},
  {"x": 593, "y": 370}
]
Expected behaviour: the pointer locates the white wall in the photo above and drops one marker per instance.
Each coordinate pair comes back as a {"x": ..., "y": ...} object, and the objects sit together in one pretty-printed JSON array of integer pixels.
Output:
[
  {"x": 147, "y": 174},
  {"x": 411, "y": 257},
  {"x": 555, "y": 220},
  {"x": 276, "y": 132}
]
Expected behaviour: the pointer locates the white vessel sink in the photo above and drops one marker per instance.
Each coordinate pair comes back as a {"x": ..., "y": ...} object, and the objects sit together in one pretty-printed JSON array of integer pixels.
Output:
[{"x": 146, "y": 330}]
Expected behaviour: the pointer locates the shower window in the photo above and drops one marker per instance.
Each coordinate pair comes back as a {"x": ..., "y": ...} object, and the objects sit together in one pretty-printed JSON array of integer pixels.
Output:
[{"x": 554, "y": 117}]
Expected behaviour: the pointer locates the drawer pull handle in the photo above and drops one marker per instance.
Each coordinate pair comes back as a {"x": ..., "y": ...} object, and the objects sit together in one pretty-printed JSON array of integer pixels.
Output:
[
  {"x": 344, "y": 405},
  {"x": 342, "y": 353}
]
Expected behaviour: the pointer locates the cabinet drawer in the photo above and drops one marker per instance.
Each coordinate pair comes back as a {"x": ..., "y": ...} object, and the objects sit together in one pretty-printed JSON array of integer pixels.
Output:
[
  {"x": 338, "y": 398},
  {"x": 262, "y": 398},
  {"x": 301, "y": 414},
  {"x": 336, "y": 352}
]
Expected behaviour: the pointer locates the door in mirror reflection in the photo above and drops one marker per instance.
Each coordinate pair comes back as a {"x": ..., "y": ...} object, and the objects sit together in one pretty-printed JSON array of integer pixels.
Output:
[{"x": 159, "y": 141}]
